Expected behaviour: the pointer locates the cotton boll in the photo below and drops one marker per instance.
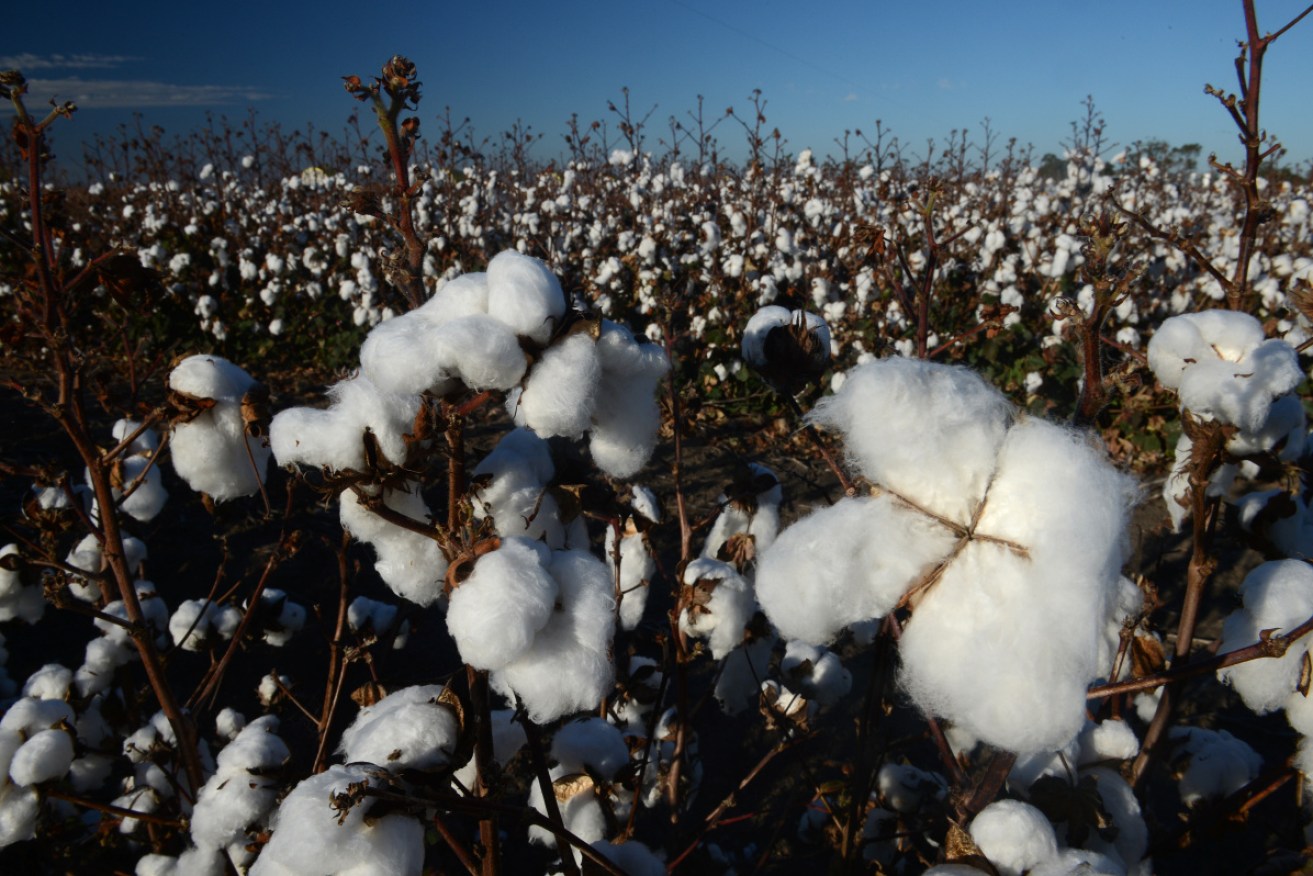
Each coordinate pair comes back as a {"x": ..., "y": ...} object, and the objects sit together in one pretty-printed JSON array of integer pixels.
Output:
[
  {"x": 196, "y": 622},
  {"x": 905, "y": 789},
  {"x": 1276, "y": 596},
  {"x": 46, "y": 755},
  {"x": 524, "y": 295},
  {"x": 568, "y": 667},
  {"x": 753, "y": 511},
  {"x": 1078, "y": 862},
  {"x": 215, "y": 456},
  {"x": 148, "y": 494},
  {"x": 211, "y": 377},
  {"x": 738, "y": 686},
  {"x": 1299, "y": 712},
  {"x": 1007, "y": 641},
  {"x": 240, "y": 793},
  {"x": 1110, "y": 739},
  {"x": 760, "y": 325},
  {"x": 625, "y": 416},
  {"x": 845, "y": 564},
  {"x": 590, "y": 745},
  {"x": 411, "y": 729},
  {"x": 307, "y": 827},
  {"x": 1032, "y": 766},
  {"x": 19, "y": 808},
  {"x": 17, "y": 600},
  {"x": 1131, "y": 841},
  {"x": 925, "y": 431},
  {"x": 1219, "y": 763},
  {"x": 401, "y": 356},
  {"x": 50, "y": 682},
  {"x": 410, "y": 563},
  {"x": 561, "y": 391},
  {"x": 508, "y": 737},
  {"x": 365, "y": 615},
  {"x": 637, "y": 566},
  {"x": 1014, "y": 836},
  {"x": 464, "y": 295},
  {"x": 719, "y": 605},
  {"x": 818, "y": 673},
  {"x": 481, "y": 352},
  {"x": 334, "y": 438},
  {"x": 509, "y": 596}
]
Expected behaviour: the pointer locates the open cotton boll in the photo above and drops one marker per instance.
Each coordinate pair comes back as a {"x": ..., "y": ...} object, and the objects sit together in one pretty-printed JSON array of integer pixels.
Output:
[
  {"x": 1276, "y": 596},
  {"x": 17, "y": 600},
  {"x": 46, "y": 755},
  {"x": 568, "y": 667},
  {"x": 561, "y": 390},
  {"x": 1285, "y": 432},
  {"x": 844, "y": 564},
  {"x": 738, "y": 686},
  {"x": 509, "y": 596},
  {"x": 1078, "y": 862},
  {"x": 50, "y": 682},
  {"x": 1014, "y": 836},
  {"x": 241, "y": 791},
  {"x": 307, "y": 827},
  {"x": 590, "y": 745},
  {"x": 215, "y": 456},
  {"x": 148, "y": 495},
  {"x": 637, "y": 566},
  {"x": 1190, "y": 338},
  {"x": 524, "y": 295},
  {"x": 626, "y": 417},
  {"x": 205, "y": 861},
  {"x": 410, "y": 563},
  {"x": 196, "y": 622},
  {"x": 905, "y": 788},
  {"x": 719, "y": 605},
  {"x": 410, "y": 729},
  {"x": 1008, "y": 640},
  {"x": 508, "y": 737},
  {"x": 334, "y": 438},
  {"x": 1110, "y": 739},
  {"x": 1131, "y": 841},
  {"x": 214, "y": 377},
  {"x": 760, "y": 325},
  {"x": 401, "y": 356},
  {"x": 818, "y": 673},
  {"x": 1220, "y": 764},
  {"x": 925, "y": 431},
  {"x": 464, "y": 295},
  {"x": 753, "y": 511},
  {"x": 19, "y": 808}
]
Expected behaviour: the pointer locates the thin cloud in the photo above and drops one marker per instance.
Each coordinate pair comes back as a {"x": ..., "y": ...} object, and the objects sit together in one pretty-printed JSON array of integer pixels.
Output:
[
  {"x": 137, "y": 94},
  {"x": 850, "y": 98},
  {"x": 946, "y": 84},
  {"x": 28, "y": 62}
]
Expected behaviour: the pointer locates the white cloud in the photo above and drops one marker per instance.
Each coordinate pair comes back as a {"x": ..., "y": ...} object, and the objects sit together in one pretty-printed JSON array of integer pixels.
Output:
[
  {"x": 946, "y": 84},
  {"x": 850, "y": 97},
  {"x": 27, "y": 62},
  {"x": 135, "y": 94}
]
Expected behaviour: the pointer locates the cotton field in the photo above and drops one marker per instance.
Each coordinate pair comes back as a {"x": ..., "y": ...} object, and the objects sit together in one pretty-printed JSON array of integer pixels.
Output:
[{"x": 632, "y": 513}]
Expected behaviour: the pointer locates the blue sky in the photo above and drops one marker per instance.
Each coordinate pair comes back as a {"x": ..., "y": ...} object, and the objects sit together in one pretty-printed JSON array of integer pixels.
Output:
[{"x": 923, "y": 68}]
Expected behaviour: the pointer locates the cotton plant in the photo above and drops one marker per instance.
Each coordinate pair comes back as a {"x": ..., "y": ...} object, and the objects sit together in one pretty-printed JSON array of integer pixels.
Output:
[
  {"x": 213, "y": 445},
  {"x": 1004, "y": 532}
]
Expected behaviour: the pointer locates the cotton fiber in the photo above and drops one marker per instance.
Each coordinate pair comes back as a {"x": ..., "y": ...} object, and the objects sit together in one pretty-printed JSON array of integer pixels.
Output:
[
  {"x": 497, "y": 611},
  {"x": 212, "y": 451},
  {"x": 626, "y": 418},
  {"x": 410, "y": 729},
  {"x": 755, "y": 515},
  {"x": 410, "y": 563},
  {"x": 524, "y": 295},
  {"x": 568, "y": 667},
  {"x": 334, "y": 438},
  {"x": 1219, "y": 763},
  {"x": 310, "y": 826},
  {"x": 1015, "y": 836},
  {"x": 561, "y": 390},
  {"x": 719, "y": 604},
  {"x": 18, "y": 600},
  {"x": 636, "y": 563},
  {"x": 240, "y": 793},
  {"x": 1276, "y": 596}
]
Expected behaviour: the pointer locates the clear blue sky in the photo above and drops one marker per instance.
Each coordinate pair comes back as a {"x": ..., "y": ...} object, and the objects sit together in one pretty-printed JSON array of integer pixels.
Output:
[{"x": 922, "y": 66}]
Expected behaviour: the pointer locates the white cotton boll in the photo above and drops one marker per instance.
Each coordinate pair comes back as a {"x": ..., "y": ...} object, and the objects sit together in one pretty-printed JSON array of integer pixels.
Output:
[
  {"x": 1078, "y": 862},
  {"x": 364, "y": 614},
  {"x": 1001, "y": 627},
  {"x": 308, "y": 828},
  {"x": 464, "y": 295},
  {"x": 1285, "y": 431},
  {"x": 632, "y": 857},
  {"x": 738, "y": 686},
  {"x": 524, "y": 295},
  {"x": 410, "y": 563},
  {"x": 845, "y": 564},
  {"x": 1132, "y": 839},
  {"x": 1110, "y": 739},
  {"x": 509, "y": 596},
  {"x": 215, "y": 456},
  {"x": 1014, "y": 836},
  {"x": 1299, "y": 712},
  {"x": 195, "y": 620},
  {"x": 335, "y": 437},
  {"x": 1032, "y": 766},
  {"x": 568, "y": 666},
  {"x": 753, "y": 346},
  {"x": 1276, "y": 596},
  {"x": 481, "y": 352},
  {"x": 409, "y": 729},
  {"x": 645, "y": 502},
  {"x": 241, "y": 791},
  {"x": 722, "y": 607},
  {"x": 212, "y": 377},
  {"x": 228, "y": 723},
  {"x": 818, "y": 673},
  {"x": 637, "y": 568},
  {"x": 148, "y": 496},
  {"x": 102, "y": 657},
  {"x": 46, "y": 755},
  {"x": 928, "y": 432},
  {"x": 905, "y": 788},
  {"x": 561, "y": 391},
  {"x": 1190, "y": 338},
  {"x": 592, "y": 745},
  {"x": 757, "y": 515},
  {"x": 28, "y": 716},
  {"x": 89, "y": 774},
  {"x": 144, "y": 444},
  {"x": 1220, "y": 764},
  {"x": 17, "y": 600},
  {"x": 626, "y": 416},
  {"x": 50, "y": 682},
  {"x": 19, "y": 808}
]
